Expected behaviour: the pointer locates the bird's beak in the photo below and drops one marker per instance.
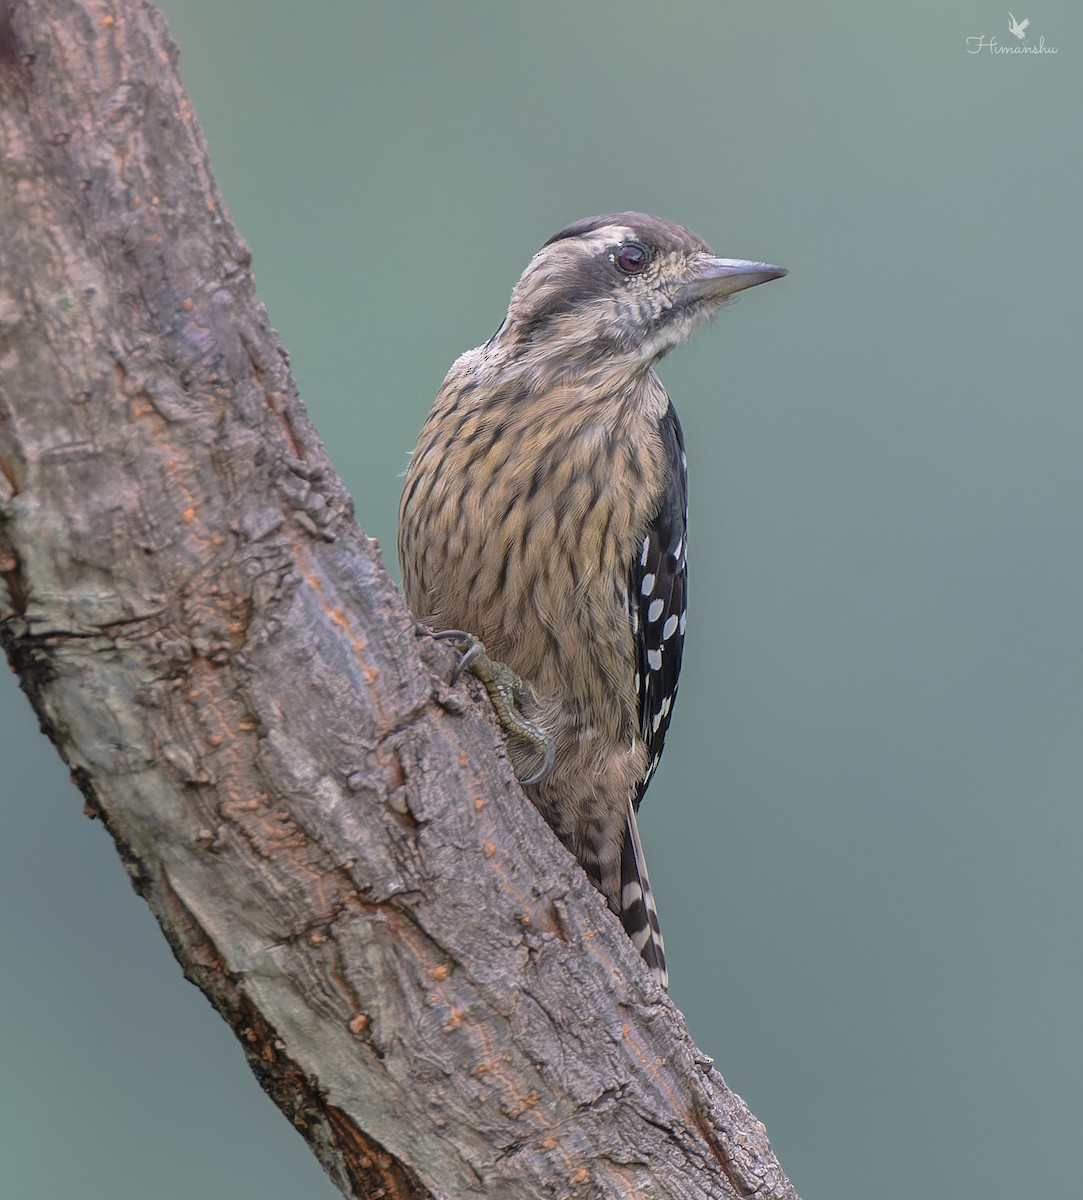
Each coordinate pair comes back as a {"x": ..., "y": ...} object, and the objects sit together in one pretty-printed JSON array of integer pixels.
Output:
[{"x": 717, "y": 278}]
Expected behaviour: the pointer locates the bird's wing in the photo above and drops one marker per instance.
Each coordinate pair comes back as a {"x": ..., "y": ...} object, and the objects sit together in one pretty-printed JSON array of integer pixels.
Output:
[{"x": 657, "y": 595}]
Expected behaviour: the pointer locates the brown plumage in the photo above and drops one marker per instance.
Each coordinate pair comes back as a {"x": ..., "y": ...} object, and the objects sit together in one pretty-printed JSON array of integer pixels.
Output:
[{"x": 544, "y": 513}]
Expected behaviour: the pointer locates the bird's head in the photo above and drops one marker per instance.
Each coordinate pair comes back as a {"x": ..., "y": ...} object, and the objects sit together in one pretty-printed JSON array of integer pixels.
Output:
[{"x": 624, "y": 286}]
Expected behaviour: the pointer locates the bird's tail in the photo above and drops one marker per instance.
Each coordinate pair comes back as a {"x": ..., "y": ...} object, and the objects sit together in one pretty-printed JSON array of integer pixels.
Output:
[{"x": 637, "y": 911}]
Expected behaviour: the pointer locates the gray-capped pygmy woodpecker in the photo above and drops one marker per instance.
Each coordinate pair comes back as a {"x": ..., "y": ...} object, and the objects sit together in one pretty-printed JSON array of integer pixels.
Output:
[{"x": 544, "y": 514}]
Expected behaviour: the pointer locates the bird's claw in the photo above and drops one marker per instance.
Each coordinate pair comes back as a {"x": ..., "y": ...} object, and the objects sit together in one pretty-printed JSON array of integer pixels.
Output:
[{"x": 509, "y": 695}]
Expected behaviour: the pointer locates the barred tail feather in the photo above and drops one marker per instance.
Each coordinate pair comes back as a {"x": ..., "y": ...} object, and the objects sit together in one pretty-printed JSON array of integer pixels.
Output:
[{"x": 637, "y": 911}]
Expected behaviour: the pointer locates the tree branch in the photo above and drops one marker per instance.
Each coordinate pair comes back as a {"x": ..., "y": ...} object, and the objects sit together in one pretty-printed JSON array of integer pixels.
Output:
[{"x": 331, "y": 839}]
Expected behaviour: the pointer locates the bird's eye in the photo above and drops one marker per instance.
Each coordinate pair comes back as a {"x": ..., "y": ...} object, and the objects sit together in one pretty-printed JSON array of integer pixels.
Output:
[{"x": 632, "y": 258}]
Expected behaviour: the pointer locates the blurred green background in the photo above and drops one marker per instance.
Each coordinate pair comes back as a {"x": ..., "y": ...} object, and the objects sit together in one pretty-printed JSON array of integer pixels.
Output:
[{"x": 865, "y": 835}]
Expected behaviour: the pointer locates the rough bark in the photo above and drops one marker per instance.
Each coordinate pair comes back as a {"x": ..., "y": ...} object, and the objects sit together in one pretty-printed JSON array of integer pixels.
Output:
[{"x": 331, "y": 839}]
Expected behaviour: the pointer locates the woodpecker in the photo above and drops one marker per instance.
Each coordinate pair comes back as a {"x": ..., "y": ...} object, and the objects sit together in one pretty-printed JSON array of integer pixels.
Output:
[{"x": 544, "y": 514}]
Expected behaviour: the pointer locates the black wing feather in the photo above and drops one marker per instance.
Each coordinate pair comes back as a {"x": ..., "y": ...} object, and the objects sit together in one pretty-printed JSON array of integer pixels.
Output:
[
  {"x": 656, "y": 586},
  {"x": 657, "y": 600}
]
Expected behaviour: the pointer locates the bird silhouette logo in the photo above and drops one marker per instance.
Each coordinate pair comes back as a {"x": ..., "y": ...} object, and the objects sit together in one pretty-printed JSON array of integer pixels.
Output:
[{"x": 1019, "y": 28}]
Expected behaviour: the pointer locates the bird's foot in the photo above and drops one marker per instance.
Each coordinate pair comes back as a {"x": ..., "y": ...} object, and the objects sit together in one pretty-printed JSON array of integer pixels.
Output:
[{"x": 509, "y": 695}]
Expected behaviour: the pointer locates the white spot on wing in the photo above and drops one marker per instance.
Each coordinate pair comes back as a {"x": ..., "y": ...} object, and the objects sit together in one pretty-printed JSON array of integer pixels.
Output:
[
  {"x": 655, "y": 611},
  {"x": 647, "y": 586}
]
